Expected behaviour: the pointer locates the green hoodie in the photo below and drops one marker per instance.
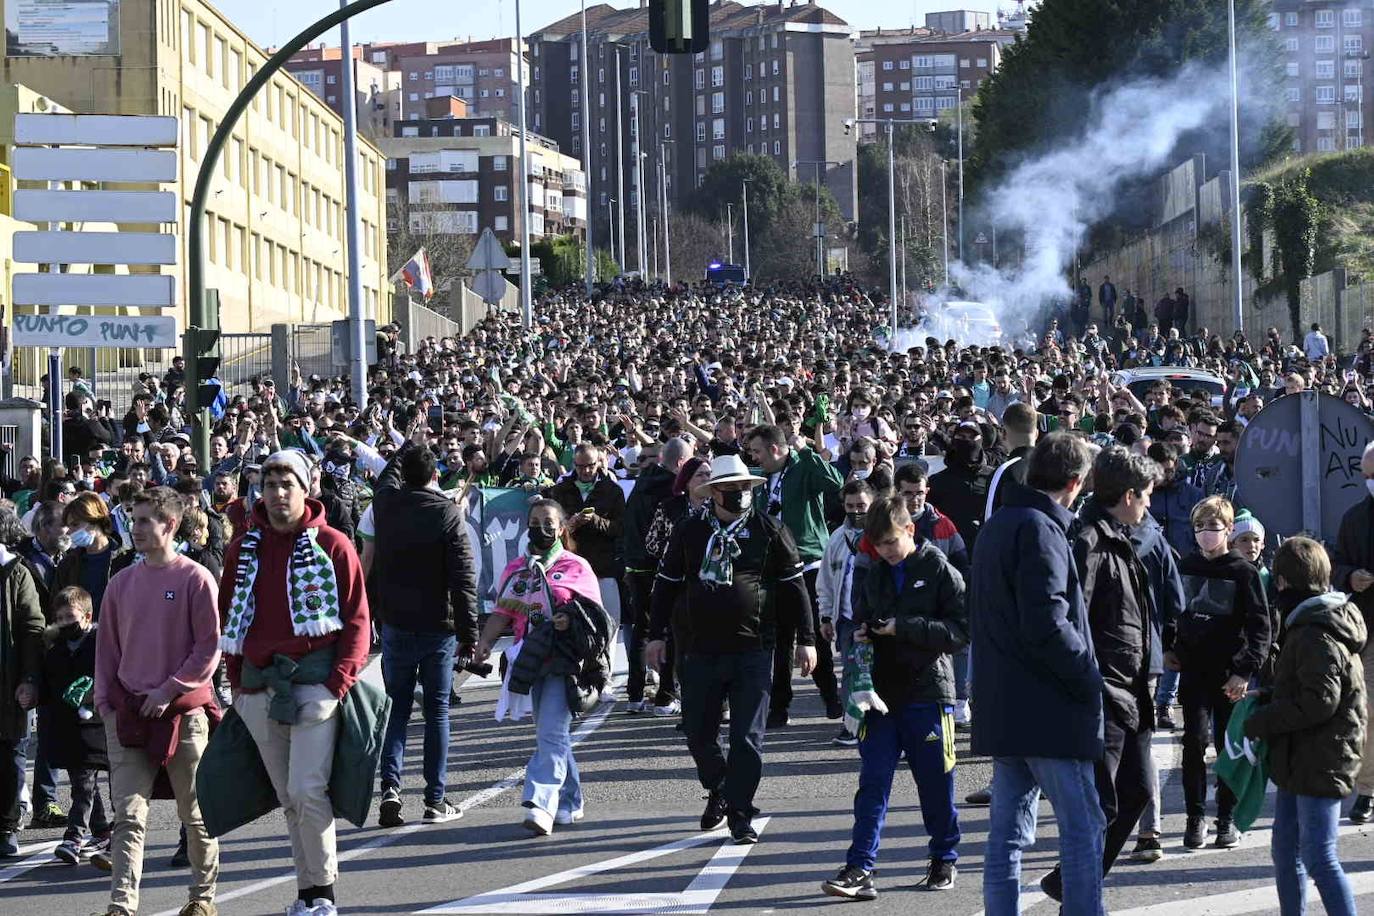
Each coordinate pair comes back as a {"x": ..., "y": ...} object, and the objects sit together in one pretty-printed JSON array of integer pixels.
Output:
[{"x": 807, "y": 479}]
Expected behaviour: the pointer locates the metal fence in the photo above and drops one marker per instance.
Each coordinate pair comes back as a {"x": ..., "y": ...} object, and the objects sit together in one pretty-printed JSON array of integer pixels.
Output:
[
  {"x": 244, "y": 357},
  {"x": 312, "y": 349},
  {"x": 112, "y": 372}
]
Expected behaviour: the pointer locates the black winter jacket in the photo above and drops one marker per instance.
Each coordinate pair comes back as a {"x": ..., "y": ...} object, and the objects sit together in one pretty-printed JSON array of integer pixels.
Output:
[
  {"x": 1225, "y": 626},
  {"x": 653, "y": 486},
  {"x": 424, "y": 574},
  {"x": 961, "y": 492},
  {"x": 1314, "y": 719},
  {"x": 1116, "y": 591},
  {"x": 1354, "y": 550},
  {"x": 913, "y": 666},
  {"x": 76, "y": 744},
  {"x": 599, "y": 540},
  {"x": 581, "y": 652}
]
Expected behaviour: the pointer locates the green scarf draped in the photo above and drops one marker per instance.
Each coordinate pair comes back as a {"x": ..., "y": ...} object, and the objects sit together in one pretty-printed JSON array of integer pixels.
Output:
[
  {"x": 313, "y": 591},
  {"x": 718, "y": 563}
]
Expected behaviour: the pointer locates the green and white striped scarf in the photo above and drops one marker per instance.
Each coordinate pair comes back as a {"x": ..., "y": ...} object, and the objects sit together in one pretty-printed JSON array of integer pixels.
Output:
[
  {"x": 313, "y": 589},
  {"x": 718, "y": 563}
]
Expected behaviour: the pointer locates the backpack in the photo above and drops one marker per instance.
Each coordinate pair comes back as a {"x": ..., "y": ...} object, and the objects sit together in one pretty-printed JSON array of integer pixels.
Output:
[{"x": 659, "y": 534}]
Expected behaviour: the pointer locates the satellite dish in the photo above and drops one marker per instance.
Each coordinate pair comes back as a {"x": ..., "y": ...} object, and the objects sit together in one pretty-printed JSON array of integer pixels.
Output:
[{"x": 1298, "y": 464}]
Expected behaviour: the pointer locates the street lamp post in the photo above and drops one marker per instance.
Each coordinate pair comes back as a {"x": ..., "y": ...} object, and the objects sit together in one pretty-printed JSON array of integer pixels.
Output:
[
  {"x": 1237, "y": 281},
  {"x": 587, "y": 149},
  {"x": 959, "y": 109},
  {"x": 730, "y": 229},
  {"x": 663, "y": 196},
  {"x": 944, "y": 213},
  {"x": 745, "y": 186},
  {"x": 816, "y": 225},
  {"x": 357, "y": 318},
  {"x": 638, "y": 155},
  {"x": 619, "y": 161},
  {"x": 610, "y": 221}
]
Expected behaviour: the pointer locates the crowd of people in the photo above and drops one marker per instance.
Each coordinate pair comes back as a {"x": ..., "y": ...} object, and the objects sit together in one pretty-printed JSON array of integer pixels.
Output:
[{"x": 732, "y": 484}]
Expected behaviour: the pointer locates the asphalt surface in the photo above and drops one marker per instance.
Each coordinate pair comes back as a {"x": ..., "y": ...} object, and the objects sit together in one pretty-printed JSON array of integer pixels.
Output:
[{"x": 639, "y": 849}]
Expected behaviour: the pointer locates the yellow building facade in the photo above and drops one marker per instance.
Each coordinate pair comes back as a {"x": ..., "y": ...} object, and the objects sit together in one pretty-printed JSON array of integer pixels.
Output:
[{"x": 275, "y": 229}]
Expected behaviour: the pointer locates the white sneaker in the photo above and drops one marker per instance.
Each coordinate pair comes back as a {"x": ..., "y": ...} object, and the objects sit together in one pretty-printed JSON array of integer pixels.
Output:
[
  {"x": 672, "y": 709},
  {"x": 323, "y": 907},
  {"x": 607, "y": 696},
  {"x": 564, "y": 817},
  {"x": 962, "y": 714},
  {"x": 539, "y": 822},
  {"x": 298, "y": 908},
  {"x": 635, "y": 709}
]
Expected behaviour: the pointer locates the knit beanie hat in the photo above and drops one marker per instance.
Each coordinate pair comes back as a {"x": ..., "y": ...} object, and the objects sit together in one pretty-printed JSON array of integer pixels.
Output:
[
  {"x": 1247, "y": 524},
  {"x": 292, "y": 460}
]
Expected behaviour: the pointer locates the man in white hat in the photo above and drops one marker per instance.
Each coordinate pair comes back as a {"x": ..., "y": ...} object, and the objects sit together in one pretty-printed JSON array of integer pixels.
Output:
[{"x": 743, "y": 577}]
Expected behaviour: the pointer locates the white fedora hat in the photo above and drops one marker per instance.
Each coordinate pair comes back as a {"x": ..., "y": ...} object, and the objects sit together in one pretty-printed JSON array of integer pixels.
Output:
[{"x": 732, "y": 469}]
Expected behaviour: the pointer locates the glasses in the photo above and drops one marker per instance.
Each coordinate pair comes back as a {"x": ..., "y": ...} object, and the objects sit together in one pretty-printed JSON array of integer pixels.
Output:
[{"x": 583, "y": 467}]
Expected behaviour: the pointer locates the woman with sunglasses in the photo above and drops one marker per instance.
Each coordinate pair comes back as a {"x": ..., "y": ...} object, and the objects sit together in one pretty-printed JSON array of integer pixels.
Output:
[{"x": 558, "y": 664}]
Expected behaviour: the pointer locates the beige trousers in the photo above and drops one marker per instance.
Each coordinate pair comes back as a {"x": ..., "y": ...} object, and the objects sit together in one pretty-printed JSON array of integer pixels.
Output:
[
  {"x": 299, "y": 759},
  {"x": 131, "y": 783}
]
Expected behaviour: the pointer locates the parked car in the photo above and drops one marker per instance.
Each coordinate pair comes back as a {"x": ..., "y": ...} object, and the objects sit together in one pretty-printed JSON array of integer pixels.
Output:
[{"x": 1189, "y": 380}]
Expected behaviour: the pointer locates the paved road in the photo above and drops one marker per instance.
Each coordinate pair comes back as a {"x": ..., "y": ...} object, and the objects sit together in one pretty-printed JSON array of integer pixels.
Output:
[{"x": 639, "y": 850}]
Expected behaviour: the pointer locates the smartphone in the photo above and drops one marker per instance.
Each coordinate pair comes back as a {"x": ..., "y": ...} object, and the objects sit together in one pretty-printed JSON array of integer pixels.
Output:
[{"x": 73, "y": 462}]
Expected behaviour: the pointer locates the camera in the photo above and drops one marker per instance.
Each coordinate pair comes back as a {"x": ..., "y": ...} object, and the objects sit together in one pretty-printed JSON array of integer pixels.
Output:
[{"x": 477, "y": 669}]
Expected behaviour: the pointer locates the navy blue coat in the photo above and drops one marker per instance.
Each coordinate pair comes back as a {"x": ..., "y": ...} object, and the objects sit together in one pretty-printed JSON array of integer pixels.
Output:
[
  {"x": 1166, "y": 585},
  {"x": 1036, "y": 684}
]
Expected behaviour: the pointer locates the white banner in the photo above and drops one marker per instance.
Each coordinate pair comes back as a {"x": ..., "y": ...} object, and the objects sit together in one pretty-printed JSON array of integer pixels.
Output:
[{"x": 94, "y": 331}]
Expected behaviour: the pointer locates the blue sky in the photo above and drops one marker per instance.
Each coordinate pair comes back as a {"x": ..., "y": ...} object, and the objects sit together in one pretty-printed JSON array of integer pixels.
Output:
[{"x": 424, "y": 20}]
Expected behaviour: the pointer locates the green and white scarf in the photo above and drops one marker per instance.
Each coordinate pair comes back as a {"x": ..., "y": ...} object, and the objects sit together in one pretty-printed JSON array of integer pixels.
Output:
[
  {"x": 718, "y": 563},
  {"x": 313, "y": 591}
]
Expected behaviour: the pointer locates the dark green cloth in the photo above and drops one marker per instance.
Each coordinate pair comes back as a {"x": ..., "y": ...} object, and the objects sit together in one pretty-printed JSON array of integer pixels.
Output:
[
  {"x": 1244, "y": 766},
  {"x": 233, "y": 785},
  {"x": 284, "y": 672}
]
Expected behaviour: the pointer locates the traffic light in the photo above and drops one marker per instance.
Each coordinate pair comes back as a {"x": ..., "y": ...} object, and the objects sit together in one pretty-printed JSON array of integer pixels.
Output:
[
  {"x": 204, "y": 390},
  {"x": 679, "y": 26}
]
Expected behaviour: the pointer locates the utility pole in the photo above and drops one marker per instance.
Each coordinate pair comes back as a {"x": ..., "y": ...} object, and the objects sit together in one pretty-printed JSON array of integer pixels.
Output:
[
  {"x": 357, "y": 320},
  {"x": 960, "y": 109},
  {"x": 526, "y": 292},
  {"x": 892, "y": 232},
  {"x": 1237, "y": 281},
  {"x": 730, "y": 229},
  {"x": 619, "y": 160},
  {"x": 944, "y": 212},
  {"x": 904, "y": 259},
  {"x": 639, "y": 180},
  {"x": 745, "y": 185},
  {"x": 663, "y": 193},
  {"x": 610, "y": 204},
  {"x": 587, "y": 150}
]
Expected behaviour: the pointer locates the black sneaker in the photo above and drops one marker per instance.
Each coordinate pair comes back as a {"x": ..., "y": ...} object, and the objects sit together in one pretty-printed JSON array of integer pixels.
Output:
[
  {"x": 1363, "y": 810},
  {"x": 1195, "y": 834},
  {"x": 714, "y": 815},
  {"x": 1164, "y": 720},
  {"x": 852, "y": 884},
  {"x": 741, "y": 829},
  {"x": 1052, "y": 885},
  {"x": 982, "y": 797},
  {"x": 1147, "y": 849},
  {"x": 389, "y": 813},
  {"x": 441, "y": 812},
  {"x": 777, "y": 718},
  {"x": 845, "y": 738},
  {"x": 834, "y": 709},
  {"x": 1228, "y": 837},
  {"x": 48, "y": 816},
  {"x": 941, "y": 875},
  {"x": 181, "y": 858}
]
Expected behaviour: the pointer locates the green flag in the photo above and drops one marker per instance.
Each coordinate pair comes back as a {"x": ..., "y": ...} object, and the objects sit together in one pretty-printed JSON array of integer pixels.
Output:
[{"x": 1243, "y": 764}]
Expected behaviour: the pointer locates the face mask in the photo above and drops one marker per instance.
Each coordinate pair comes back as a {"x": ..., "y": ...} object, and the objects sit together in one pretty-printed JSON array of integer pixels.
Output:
[
  {"x": 82, "y": 537},
  {"x": 856, "y": 519},
  {"x": 966, "y": 451},
  {"x": 737, "y": 501},
  {"x": 1210, "y": 541},
  {"x": 71, "y": 632},
  {"x": 862, "y": 413},
  {"x": 863, "y": 475},
  {"x": 542, "y": 539}
]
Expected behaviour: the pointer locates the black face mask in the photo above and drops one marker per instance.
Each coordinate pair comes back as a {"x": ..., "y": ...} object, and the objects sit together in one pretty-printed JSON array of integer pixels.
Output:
[
  {"x": 542, "y": 539},
  {"x": 71, "y": 632},
  {"x": 737, "y": 501},
  {"x": 856, "y": 519}
]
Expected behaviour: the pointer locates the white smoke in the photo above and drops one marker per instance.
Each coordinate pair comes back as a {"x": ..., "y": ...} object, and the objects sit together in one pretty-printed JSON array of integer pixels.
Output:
[{"x": 1052, "y": 199}]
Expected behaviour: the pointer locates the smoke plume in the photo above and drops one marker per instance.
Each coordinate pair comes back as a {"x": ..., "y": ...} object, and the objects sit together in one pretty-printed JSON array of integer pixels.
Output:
[{"x": 1050, "y": 200}]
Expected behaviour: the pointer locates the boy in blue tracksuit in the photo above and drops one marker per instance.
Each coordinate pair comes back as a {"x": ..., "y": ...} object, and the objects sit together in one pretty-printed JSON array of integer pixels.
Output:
[{"x": 911, "y": 608}]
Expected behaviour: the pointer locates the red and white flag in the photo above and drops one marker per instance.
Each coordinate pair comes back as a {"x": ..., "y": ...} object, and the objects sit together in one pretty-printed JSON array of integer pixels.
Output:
[{"x": 417, "y": 274}]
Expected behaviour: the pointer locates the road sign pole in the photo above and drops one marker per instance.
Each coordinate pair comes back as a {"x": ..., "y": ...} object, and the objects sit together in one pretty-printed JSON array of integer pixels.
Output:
[
  {"x": 357, "y": 368},
  {"x": 1311, "y": 463}
]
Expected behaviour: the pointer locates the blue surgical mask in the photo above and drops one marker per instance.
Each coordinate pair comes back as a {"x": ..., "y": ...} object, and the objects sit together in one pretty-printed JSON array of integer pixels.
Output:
[{"x": 82, "y": 537}]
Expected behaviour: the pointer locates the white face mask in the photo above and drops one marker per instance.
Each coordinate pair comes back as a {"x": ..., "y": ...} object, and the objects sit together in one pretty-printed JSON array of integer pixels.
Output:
[
  {"x": 861, "y": 413},
  {"x": 82, "y": 537},
  {"x": 863, "y": 475}
]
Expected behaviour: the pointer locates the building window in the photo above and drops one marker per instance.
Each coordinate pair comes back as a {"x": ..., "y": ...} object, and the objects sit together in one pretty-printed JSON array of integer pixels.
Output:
[
  {"x": 924, "y": 104},
  {"x": 601, "y": 74},
  {"x": 634, "y": 76},
  {"x": 717, "y": 102},
  {"x": 500, "y": 193},
  {"x": 887, "y": 108},
  {"x": 414, "y": 77},
  {"x": 963, "y": 63},
  {"x": 1290, "y": 20},
  {"x": 699, "y": 79},
  {"x": 1293, "y": 94},
  {"x": 576, "y": 120},
  {"x": 1352, "y": 94},
  {"x": 777, "y": 120},
  {"x": 498, "y": 163},
  {"x": 667, "y": 130},
  {"x": 905, "y": 85},
  {"x": 1290, "y": 45},
  {"x": 982, "y": 63},
  {"x": 701, "y": 131},
  {"x": 718, "y": 152},
  {"x": 887, "y": 87},
  {"x": 906, "y": 106},
  {"x": 748, "y": 125},
  {"x": 776, "y": 96},
  {"x": 1326, "y": 95},
  {"x": 1325, "y": 70},
  {"x": 777, "y": 147},
  {"x": 1324, "y": 19},
  {"x": 1325, "y": 44},
  {"x": 718, "y": 129},
  {"x": 1353, "y": 44},
  {"x": 1326, "y": 144},
  {"x": 904, "y": 64},
  {"x": 887, "y": 65},
  {"x": 926, "y": 83},
  {"x": 666, "y": 77},
  {"x": 717, "y": 77},
  {"x": 749, "y": 97},
  {"x": 1352, "y": 18},
  {"x": 775, "y": 68}
]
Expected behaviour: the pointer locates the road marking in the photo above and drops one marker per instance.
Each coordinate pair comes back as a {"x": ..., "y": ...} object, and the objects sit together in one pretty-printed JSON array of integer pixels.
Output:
[
  {"x": 38, "y": 854},
  {"x": 510, "y": 781},
  {"x": 1236, "y": 903},
  {"x": 698, "y": 898}
]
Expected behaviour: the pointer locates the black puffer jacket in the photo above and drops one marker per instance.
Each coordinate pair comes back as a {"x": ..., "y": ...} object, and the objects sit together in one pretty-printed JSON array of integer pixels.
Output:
[
  {"x": 654, "y": 486},
  {"x": 599, "y": 540},
  {"x": 1116, "y": 590},
  {"x": 1314, "y": 719},
  {"x": 581, "y": 652},
  {"x": 913, "y": 666}
]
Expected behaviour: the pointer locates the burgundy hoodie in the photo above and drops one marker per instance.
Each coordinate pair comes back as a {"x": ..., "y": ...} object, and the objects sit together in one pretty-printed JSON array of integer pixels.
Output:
[{"x": 271, "y": 633}]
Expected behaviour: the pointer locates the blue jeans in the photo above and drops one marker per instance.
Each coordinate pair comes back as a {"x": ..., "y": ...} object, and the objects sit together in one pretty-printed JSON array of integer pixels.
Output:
[
  {"x": 1167, "y": 692},
  {"x": 1072, "y": 785},
  {"x": 552, "y": 782},
  {"x": 1303, "y": 846},
  {"x": 427, "y": 657},
  {"x": 963, "y": 672},
  {"x": 882, "y": 740},
  {"x": 44, "y": 776}
]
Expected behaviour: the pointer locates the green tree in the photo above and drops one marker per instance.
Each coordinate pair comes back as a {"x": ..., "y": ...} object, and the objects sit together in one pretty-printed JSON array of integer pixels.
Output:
[{"x": 1296, "y": 215}]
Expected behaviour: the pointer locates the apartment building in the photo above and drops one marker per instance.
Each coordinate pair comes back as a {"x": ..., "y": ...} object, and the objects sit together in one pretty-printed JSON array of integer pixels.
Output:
[
  {"x": 1326, "y": 53},
  {"x": 777, "y": 80},
  {"x": 864, "y": 67},
  {"x": 377, "y": 92},
  {"x": 953, "y": 22},
  {"x": 275, "y": 227},
  {"x": 458, "y": 176}
]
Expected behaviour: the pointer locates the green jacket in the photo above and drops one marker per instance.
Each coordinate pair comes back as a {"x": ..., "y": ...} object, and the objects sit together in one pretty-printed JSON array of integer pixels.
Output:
[
  {"x": 21, "y": 643},
  {"x": 807, "y": 479},
  {"x": 233, "y": 785}
]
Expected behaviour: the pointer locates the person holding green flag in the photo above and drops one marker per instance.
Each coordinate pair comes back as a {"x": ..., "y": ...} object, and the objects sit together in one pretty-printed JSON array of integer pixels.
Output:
[{"x": 1313, "y": 719}]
